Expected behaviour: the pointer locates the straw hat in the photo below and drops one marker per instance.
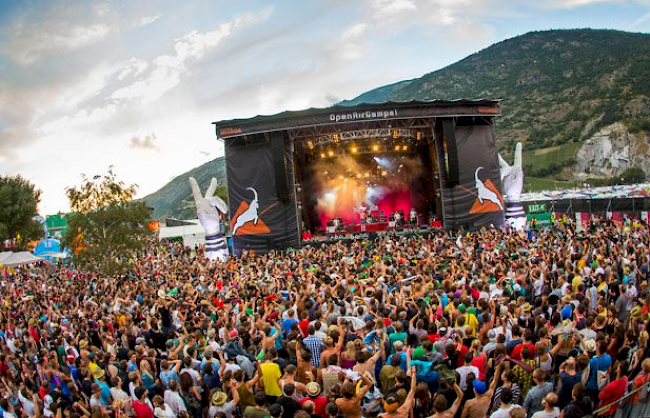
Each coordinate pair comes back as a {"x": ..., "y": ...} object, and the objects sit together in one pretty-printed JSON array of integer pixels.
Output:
[
  {"x": 313, "y": 389},
  {"x": 219, "y": 398},
  {"x": 83, "y": 344},
  {"x": 526, "y": 307},
  {"x": 590, "y": 345}
]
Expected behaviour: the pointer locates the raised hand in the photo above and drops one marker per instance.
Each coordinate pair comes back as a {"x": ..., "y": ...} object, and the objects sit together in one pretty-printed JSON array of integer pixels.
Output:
[
  {"x": 208, "y": 207},
  {"x": 512, "y": 176}
]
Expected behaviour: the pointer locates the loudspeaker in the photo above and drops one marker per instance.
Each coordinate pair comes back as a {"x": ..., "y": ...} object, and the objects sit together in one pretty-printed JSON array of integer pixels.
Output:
[
  {"x": 280, "y": 166},
  {"x": 449, "y": 136}
]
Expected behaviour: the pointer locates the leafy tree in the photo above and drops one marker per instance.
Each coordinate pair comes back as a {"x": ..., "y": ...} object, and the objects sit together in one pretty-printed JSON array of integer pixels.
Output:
[
  {"x": 18, "y": 202},
  {"x": 106, "y": 229},
  {"x": 633, "y": 175}
]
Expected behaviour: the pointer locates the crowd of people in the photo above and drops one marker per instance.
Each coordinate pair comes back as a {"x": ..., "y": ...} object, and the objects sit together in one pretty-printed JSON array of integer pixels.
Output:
[{"x": 553, "y": 323}]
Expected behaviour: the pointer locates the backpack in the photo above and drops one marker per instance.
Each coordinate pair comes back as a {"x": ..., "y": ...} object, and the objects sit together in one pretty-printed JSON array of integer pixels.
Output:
[{"x": 445, "y": 373}]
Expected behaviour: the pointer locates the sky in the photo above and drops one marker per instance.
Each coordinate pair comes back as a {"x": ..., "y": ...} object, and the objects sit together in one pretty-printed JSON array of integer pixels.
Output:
[{"x": 136, "y": 84}]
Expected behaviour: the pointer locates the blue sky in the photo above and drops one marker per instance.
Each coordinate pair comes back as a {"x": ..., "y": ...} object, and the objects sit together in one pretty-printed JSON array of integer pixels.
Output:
[{"x": 136, "y": 84}]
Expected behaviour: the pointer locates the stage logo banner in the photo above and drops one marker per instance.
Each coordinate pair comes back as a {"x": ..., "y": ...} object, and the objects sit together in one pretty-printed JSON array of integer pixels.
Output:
[
  {"x": 261, "y": 220},
  {"x": 477, "y": 200}
]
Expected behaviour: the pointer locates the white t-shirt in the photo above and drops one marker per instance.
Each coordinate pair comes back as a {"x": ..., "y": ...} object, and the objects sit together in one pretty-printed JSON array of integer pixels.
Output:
[
  {"x": 504, "y": 412},
  {"x": 175, "y": 401},
  {"x": 227, "y": 409},
  {"x": 463, "y": 371},
  {"x": 543, "y": 414}
]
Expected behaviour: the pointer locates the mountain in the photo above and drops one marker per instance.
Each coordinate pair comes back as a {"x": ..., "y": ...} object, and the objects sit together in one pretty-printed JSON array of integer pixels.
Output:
[
  {"x": 559, "y": 88},
  {"x": 579, "y": 100},
  {"x": 174, "y": 200}
]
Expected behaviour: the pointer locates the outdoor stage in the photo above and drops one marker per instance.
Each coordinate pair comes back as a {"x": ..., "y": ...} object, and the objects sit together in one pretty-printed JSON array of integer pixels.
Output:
[{"x": 372, "y": 168}]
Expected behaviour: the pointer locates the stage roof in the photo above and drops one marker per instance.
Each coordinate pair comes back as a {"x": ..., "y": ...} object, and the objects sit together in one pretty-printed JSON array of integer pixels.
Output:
[{"x": 366, "y": 112}]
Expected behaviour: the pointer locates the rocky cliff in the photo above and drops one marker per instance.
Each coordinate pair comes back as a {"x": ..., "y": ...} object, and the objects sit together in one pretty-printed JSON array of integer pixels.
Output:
[{"x": 611, "y": 151}]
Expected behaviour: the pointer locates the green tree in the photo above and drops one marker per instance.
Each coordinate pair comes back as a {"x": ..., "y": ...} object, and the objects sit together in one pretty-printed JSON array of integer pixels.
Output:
[
  {"x": 633, "y": 175},
  {"x": 107, "y": 229},
  {"x": 18, "y": 206}
]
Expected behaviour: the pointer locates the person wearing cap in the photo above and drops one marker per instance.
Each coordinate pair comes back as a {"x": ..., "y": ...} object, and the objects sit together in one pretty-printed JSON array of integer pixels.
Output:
[
  {"x": 219, "y": 403},
  {"x": 479, "y": 406}
]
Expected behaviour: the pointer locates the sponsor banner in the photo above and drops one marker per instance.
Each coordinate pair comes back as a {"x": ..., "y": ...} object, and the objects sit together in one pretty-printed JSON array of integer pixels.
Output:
[
  {"x": 360, "y": 113},
  {"x": 477, "y": 200},
  {"x": 259, "y": 219},
  {"x": 541, "y": 219}
]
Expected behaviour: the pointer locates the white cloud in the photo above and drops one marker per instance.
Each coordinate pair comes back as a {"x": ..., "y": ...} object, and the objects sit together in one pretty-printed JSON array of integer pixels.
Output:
[
  {"x": 387, "y": 10},
  {"x": 168, "y": 70},
  {"x": 134, "y": 68},
  {"x": 26, "y": 43},
  {"x": 147, "y": 20}
]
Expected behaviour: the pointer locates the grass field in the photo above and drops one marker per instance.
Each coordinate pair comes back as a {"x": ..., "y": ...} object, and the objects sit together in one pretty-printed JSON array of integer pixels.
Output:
[{"x": 536, "y": 184}]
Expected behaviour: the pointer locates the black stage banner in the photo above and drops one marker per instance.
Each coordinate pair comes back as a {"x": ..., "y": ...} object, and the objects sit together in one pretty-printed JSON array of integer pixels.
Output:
[
  {"x": 478, "y": 199},
  {"x": 261, "y": 193},
  {"x": 361, "y": 113}
]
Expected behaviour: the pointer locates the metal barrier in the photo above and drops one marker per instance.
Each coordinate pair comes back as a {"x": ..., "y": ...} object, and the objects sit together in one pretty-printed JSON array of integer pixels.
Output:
[{"x": 627, "y": 406}]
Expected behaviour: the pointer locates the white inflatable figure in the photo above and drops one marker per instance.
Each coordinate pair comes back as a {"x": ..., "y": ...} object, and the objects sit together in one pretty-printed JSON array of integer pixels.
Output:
[
  {"x": 209, "y": 209},
  {"x": 512, "y": 179}
]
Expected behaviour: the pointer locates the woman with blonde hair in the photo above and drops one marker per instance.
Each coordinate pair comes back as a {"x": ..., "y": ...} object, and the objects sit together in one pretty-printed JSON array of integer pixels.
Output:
[{"x": 348, "y": 357}]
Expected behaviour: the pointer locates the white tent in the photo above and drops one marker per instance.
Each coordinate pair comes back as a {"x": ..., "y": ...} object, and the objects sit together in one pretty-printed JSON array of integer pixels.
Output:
[
  {"x": 17, "y": 259},
  {"x": 192, "y": 234}
]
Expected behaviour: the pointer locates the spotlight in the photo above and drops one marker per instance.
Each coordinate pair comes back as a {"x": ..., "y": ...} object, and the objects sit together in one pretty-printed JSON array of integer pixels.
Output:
[
  {"x": 418, "y": 135},
  {"x": 405, "y": 148},
  {"x": 395, "y": 133},
  {"x": 354, "y": 150},
  {"x": 322, "y": 155},
  {"x": 340, "y": 177},
  {"x": 310, "y": 144},
  {"x": 375, "y": 147},
  {"x": 396, "y": 147},
  {"x": 358, "y": 175},
  {"x": 383, "y": 173},
  {"x": 335, "y": 138},
  {"x": 330, "y": 153},
  {"x": 367, "y": 174}
]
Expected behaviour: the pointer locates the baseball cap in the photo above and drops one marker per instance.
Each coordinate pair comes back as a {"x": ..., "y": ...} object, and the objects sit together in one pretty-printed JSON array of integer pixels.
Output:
[{"x": 479, "y": 386}]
